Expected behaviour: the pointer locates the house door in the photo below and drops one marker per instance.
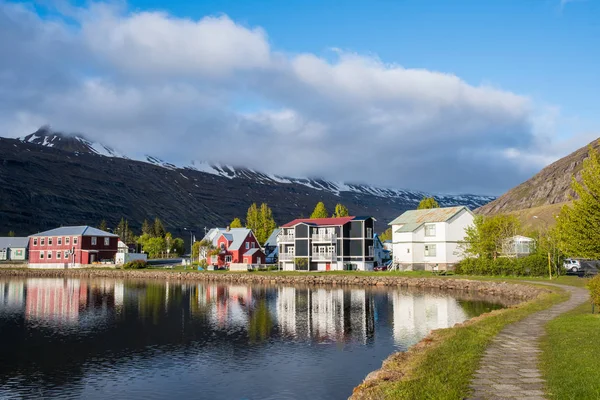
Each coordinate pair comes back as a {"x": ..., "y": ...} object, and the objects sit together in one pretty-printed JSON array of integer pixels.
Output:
[
  {"x": 92, "y": 258},
  {"x": 327, "y": 267}
]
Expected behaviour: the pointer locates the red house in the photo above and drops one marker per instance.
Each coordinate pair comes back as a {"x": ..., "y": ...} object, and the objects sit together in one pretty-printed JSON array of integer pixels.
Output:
[
  {"x": 236, "y": 245},
  {"x": 71, "y": 247}
]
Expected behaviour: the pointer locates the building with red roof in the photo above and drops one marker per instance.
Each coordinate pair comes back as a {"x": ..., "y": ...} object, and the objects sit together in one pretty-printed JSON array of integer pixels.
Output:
[{"x": 327, "y": 244}]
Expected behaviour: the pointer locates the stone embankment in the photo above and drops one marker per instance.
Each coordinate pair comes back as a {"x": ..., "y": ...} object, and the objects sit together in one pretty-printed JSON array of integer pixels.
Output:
[{"x": 507, "y": 290}]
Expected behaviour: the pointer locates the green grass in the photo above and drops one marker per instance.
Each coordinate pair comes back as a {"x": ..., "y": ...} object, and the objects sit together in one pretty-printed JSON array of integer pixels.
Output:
[
  {"x": 571, "y": 355},
  {"x": 442, "y": 366}
]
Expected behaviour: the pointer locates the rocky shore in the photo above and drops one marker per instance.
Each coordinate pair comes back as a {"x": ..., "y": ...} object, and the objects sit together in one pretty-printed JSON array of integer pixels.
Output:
[{"x": 504, "y": 289}]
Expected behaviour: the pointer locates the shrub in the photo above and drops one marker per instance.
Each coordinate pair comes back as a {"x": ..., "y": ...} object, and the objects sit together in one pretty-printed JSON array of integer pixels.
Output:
[
  {"x": 594, "y": 287},
  {"x": 136, "y": 264},
  {"x": 533, "y": 265},
  {"x": 272, "y": 268}
]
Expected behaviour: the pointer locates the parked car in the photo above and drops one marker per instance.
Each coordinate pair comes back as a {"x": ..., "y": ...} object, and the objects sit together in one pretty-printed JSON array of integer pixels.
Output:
[
  {"x": 572, "y": 265},
  {"x": 380, "y": 268}
]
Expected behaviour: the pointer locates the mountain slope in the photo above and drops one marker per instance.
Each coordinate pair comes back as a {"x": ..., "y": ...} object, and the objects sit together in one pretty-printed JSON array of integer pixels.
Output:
[
  {"x": 552, "y": 185},
  {"x": 51, "y": 179}
]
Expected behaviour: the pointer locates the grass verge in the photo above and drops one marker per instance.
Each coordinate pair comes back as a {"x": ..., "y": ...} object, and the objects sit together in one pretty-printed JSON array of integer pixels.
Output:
[
  {"x": 442, "y": 365},
  {"x": 571, "y": 351}
]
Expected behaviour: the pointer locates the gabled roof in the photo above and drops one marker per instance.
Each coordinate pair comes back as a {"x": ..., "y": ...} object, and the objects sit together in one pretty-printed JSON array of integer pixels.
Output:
[
  {"x": 272, "y": 240},
  {"x": 252, "y": 251},
  {"x": 76, "y": 231},
  {"x": 413, "y": 219},
  {"x": 13, "y": 242},
  {"x": 320, "y": 221},
  {"x": 213, "y": 235},
  {"x": 236, "y": 237}
]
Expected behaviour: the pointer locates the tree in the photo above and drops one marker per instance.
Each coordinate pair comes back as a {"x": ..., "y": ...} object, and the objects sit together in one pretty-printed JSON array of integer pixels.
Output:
[
  {"x": 146, "y": 228},
  {"x": 320, "y": 211},
  {"x": 340, "y": 211},
  {"x": 178, "y": 246},
  {"x": 577, "y": 224},
  {"x": 428, "y": 202},
  {"x": 103, "y": 226},
  {"x": 158, "y": 228},
  {"x": 387, "y": 235},
  {"x": 124, "y": 232},
  {"x": 154, "y": 246},
  {"x": 487, "y": 236},
  {"x": 236, "y": 223},
  {"x": 252, "y": 218},
  {"x": 267, "y": 224},
  {"x": 201, "y": 249},
  {"x": 11, "y": 234}
]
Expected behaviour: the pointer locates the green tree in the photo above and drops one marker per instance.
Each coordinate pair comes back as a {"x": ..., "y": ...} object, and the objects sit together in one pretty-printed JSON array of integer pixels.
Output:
[
  {"x": 158, "y": 228},
  {"x": 124, "y": 232},
  {"x": 340, "y": 211},
  {"x": 253, "y": 218},
  {"x": 146, "y": 228},
  {"x": 155, "y": 246},
  {"x": 428, "y": 202},
  {"x": 11, "y": 234},
  {"x": 178, "y": 246},
  {"x": 387, "y": 235},
  {"x": 486, "y": 237},
  {"x": 577, "y": 224},
  {"x": 236, "y": 223},
  {"x": 267, "y": 223},
  {"x": 201, "y": 249},
  {"x": 103, "y": 226},
  {"x": 320, "y": 211}
]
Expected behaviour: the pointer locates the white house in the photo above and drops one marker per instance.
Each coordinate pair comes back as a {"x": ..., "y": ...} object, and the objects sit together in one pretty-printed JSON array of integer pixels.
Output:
[
  {"x": 424, "y": 239},
  {"x": 518, "y": 246}
]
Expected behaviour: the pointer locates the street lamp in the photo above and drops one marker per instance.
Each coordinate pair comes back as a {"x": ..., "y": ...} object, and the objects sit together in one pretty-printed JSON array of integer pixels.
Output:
[{"x": 191, "y": 241}]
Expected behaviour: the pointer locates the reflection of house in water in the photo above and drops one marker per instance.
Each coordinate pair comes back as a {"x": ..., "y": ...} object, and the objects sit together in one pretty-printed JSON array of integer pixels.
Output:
[
  {"x": 55, "y": 299},
  {"x": 325, "y": 314},
  {"x": 228, "y": 305},
  {"x": 12, "y": 294},
  {"x": 415, "y": 315}
]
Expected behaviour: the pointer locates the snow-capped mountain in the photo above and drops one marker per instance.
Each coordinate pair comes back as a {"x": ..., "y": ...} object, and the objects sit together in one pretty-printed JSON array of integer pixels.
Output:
[{"x": 79, "y": 144}]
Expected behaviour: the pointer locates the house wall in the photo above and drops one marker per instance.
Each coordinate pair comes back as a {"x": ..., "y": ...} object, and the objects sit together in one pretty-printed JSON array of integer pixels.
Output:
[
  {"x": 81, "y": 249},
  {"x": 16, "y": 254}
]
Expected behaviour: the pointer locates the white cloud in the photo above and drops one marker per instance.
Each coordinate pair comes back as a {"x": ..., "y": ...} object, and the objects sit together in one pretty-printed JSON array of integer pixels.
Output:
[{"x": 148, "y": 82}]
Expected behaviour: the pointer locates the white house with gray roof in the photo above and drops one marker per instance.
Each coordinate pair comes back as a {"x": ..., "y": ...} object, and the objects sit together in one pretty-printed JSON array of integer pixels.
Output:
[
  {"x": 13, "y": 248},
  {"x": 424, "y": 239}
]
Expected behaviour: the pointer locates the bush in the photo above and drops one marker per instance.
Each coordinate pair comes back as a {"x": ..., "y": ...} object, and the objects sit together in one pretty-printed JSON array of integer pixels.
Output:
[
  {"x": 594, "y": 287},
  {"x": 272, "y": 268},
  {"x": 533, "y": 265},
  {"x": 136, "y": 264}
]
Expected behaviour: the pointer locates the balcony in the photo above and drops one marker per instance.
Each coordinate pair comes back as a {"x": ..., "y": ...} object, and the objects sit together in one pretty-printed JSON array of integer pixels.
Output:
[
  {"x": 324, "y": 237},
  {"x": 285, "y": 238},
  {"x": 324, "y": 256},
  {"x": 286, "y": 257}
]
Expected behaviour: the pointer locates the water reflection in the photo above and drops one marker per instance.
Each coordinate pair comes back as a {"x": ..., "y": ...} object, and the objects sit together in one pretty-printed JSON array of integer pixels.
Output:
[{"x": 78, "y": 337}]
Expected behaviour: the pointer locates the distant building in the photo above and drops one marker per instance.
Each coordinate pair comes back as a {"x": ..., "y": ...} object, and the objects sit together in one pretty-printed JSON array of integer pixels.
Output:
[
  {"x": 424, "y": 239},
  {"x": 236, "y": 245},
  {"x": 71, "y": 247},
  {"x": 379, "y": 253},
  {"x": 13, "y": 248},
  {"x": 518, "y": 246},
  {"x": 325, "y": 244},
  {"x": 271, "y": 249}
]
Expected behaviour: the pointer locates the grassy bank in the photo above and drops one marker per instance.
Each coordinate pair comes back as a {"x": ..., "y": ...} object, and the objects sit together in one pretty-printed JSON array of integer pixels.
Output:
[
  {"x": 571, "y": 351},
  {"x": 441, "y": 366}
]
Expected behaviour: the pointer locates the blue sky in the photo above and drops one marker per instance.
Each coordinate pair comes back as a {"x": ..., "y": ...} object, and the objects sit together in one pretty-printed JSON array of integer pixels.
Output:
[{"x": 484, "y": 93}]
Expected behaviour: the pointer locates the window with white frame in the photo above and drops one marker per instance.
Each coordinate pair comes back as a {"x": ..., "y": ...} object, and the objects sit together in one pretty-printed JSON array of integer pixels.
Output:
[
  {"x": 247, "y": 245},
  {"x": 58, "y": 255},
  {"x": 35, "y": 242},
  {"x": 94, "y": 240},
  {"x": 253, "y": 244},
  {"x": 430, "y": 250},
  {"x": 407, "y": 251},
  {"x": 369, "y": 232},
  {"x": 42, "y": 242},
  {"x": 49, "y": 255},
  {"x": 49, "y": 241},
  {"x": 59, "y": 241},
  {"x": 430, "y": 230},
  {"x": 75, "y": 240},
  {"x": 370, "y": 251},
  {"x": 41, "y": 255},
  {"x": 106, "y": 241},
  {"x": 67, "y": 240},
  {"x": 227, "y": 259},
  {"x": 66, "y": 254}
]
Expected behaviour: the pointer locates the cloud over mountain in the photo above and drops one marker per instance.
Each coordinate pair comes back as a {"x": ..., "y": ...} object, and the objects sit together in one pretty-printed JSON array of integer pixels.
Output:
[{"x": 216, "y": 90}]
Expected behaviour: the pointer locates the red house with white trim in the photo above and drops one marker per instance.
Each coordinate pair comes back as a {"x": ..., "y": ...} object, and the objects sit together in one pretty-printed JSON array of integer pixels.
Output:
[
  {"x": 236, "y": 245},
  {"x": 71, "y": 247}
]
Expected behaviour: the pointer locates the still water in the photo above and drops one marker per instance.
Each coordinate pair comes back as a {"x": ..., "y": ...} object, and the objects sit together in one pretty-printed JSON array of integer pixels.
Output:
[{"x": 120, "y": 339}]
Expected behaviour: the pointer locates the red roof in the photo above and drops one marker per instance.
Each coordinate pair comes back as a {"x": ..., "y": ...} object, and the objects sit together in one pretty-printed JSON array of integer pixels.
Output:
[{"x": 319, "y": 221}]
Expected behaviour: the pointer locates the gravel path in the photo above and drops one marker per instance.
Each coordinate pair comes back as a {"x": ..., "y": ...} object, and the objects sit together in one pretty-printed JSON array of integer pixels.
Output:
[{"x": 509, "y": 367}]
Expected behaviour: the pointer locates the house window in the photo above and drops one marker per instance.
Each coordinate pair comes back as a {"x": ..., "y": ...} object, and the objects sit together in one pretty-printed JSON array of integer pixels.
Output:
[
  {"x": 59, "y": 241},
  {"x": 408, "y": 251},
  {"x": 94, "y": 240},
  {"x": 369, "y": 232},
  {"x": 370, "y": 251},
  {"x": 42, "y": 242},
  {"x": 258, "y": 260},
  {"x": 41, "y": 255},
  {"x": 430, "y": 250},
  {"x": 66, "y": 254},
  {"x": 35, "y": 242},
  {"x": 227, "y": 259},
  {"x": 253, "y": 244},
  {"x": 429, "y": 230},
  {"x": 222, "y": 246},
  {"x": 49, "y": 241},
  {"x": 58, "y": 255},
  {"x": 67, "y": 240},
  {"x": 74, "y": 240},
  {"x": 106, "y": 241},
  {"x": 247, "y": 245},
  {"x": 49, "y": 255}
]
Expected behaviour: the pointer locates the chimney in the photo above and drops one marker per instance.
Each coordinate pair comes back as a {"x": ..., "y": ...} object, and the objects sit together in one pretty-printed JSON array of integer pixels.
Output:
[{"x": 227, "y": 228}]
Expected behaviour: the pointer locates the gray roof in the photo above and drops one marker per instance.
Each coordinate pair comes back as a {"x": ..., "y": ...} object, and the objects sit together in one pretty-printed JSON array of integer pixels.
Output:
[
  {"x": 75, "y": 231},
  {"x": 236, "y": 236},
  {"x": 251, "y": 251},
  {"x": 272, "y": 240},
  {"x": 14, "y": 242},
  {"x": 413, "y": 219},
  {"x": 213, "y": 235}
]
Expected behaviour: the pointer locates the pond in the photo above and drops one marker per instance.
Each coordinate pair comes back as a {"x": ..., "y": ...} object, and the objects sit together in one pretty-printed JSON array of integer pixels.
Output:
[{"x": 127, "y": 339}]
